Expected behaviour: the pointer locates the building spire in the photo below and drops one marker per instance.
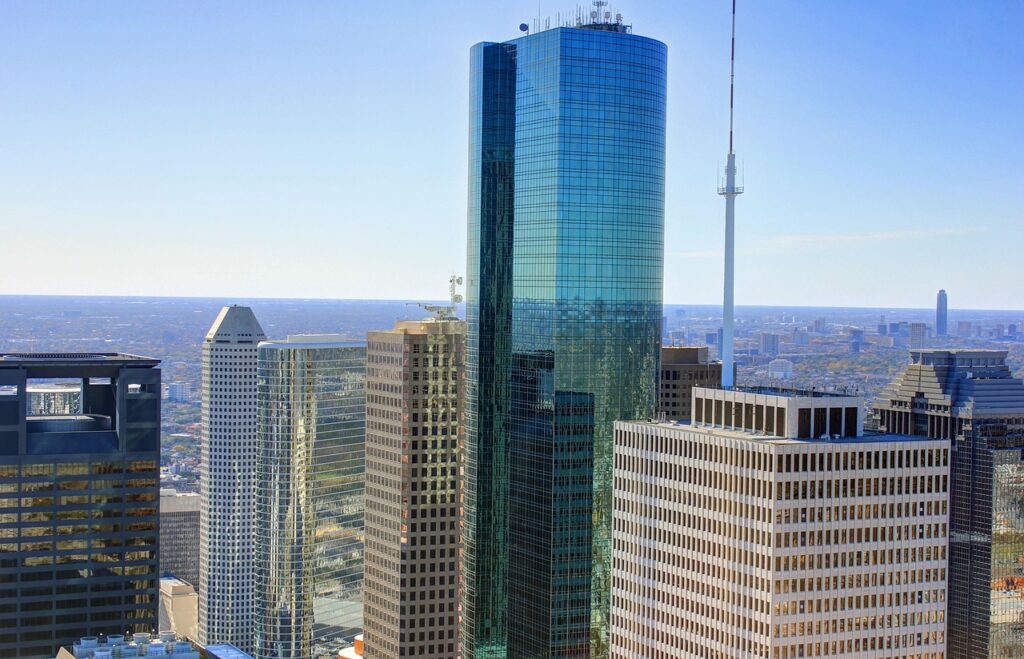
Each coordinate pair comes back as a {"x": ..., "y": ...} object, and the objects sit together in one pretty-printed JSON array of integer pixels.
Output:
[{"x": 732, "y": 72}]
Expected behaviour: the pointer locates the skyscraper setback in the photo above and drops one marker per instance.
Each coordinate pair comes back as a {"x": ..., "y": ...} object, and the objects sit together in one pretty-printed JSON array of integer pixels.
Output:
[
  {"x": 412, "y": 490},
  {"x": 226, "y": 478},
  {"x": 970, "y": 399},
  {"x": 564, "y": 308}
]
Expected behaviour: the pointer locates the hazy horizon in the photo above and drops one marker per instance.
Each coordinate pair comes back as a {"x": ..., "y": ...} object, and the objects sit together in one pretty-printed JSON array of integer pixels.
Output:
[{"x": 413, "y": 301}]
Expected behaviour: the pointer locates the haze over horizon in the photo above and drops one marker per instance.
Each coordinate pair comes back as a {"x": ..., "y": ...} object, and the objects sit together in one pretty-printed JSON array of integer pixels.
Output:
[{"x": 319, "y": 150}]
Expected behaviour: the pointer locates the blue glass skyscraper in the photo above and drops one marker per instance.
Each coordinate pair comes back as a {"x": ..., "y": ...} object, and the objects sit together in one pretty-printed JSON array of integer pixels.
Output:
[{"x": 565, "y": 260}]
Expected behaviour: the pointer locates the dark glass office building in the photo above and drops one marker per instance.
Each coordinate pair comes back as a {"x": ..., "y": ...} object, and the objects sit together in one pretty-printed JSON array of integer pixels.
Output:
[
  {"x": 79, "y": 498},
  {"x": 565, "y": 255},
  {"x": 971, "y": 398}
]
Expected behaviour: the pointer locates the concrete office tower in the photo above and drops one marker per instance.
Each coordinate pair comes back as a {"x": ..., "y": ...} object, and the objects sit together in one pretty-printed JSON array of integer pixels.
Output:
[
  {"x": 963, "y": 329},
  {"x": 226, "y": 478},
  {"x": 308, "y": 552},
  {"x": 970, "y": 399},
  {"x": 682, "y": 369},
  {"x": 744, "y": 535},
  {"x": 179, "y": 534},
  {"x": 564, "y": 307},
  {"x": 941, "y": 324},
  {"x": 918, "y": 335},
  {"x": 412, "y": 489},
  {"x": 79, "y": 544}
]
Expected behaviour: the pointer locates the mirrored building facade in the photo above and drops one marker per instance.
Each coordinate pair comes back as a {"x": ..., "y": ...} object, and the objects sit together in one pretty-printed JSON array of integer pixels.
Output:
[
  {"x": 309, "y": 496},
  {"x": 565, "y": 253}
]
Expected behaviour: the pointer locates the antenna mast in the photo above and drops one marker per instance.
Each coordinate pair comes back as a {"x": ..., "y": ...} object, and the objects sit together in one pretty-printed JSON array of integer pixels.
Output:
[
  {"x": 446, "y": 312},
  {"x": 729, "y": 191}
]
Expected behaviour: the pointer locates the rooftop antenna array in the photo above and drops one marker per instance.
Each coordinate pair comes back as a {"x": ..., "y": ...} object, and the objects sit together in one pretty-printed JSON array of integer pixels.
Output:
[
  {"x": 729, "y": 191},
  {"x": 446, "y": 311}
]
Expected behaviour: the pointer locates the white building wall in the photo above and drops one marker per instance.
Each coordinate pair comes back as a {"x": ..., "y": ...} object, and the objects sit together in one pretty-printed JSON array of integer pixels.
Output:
[{"x": 713, "y": 556}]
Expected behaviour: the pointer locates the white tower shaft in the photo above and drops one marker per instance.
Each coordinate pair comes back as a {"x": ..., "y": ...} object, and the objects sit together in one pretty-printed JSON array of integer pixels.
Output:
[{"x": 730, "y": 192}]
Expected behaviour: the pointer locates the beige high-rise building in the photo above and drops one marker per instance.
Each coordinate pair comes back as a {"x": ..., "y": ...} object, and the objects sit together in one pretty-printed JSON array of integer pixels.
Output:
[
  {"x": 227, "y": 479},
  {"x": 412, "y": 542},
  {"x": 773, "y": 527},
  {"x": 179, "y": 607}
]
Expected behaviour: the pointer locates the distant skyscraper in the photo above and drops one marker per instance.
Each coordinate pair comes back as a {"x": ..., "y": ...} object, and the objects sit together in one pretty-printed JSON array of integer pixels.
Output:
[
  {"x": 413, "y": 490},
  {"x": 744, "y": 535},
  {"x": 769, "y": 344},
  {"x": 564, "y": 307},
  {"x": 308, "y": 551},
  {"x": 682, "y": 369},
  {"x": 78, "y": 502},
  {"x": 179, "y": 534},
  {"x": 963, "y": 329},
  {"x": 780, "y": 369},
  {"x": 226, "y": 479},
  {"x": 918, "y": 335},
  {"x": 970, "y": 399},
  {"x": 940, "y": 314},
  {"x": 179, "y": 392}
]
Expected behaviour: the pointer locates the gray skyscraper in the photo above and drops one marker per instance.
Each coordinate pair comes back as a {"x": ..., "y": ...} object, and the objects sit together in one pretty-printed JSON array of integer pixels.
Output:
[
  {"x": 78, "y": 502},
  {"x": 227, "y": 478},
  {"x": 564, "y": 310},
  {"x": 941, "y": 322},
  {"x": 970, "y": 398},
  {"x": 309, "y": 496}
]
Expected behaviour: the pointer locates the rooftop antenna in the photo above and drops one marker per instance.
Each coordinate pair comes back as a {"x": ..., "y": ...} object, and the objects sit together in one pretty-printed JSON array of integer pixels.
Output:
[
  {"x": 729, "y": 191},
  {"x": 446, "y": 311}
]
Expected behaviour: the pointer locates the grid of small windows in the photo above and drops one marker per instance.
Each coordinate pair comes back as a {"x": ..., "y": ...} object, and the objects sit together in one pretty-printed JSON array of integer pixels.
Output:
[
  {"x": 677, "y": 383},
  {"x": 728, "y": 546},
  {"x": 227, "y": 488},
  {"x": 413, "y": 486},
  {"x": 179, "y": 544}
]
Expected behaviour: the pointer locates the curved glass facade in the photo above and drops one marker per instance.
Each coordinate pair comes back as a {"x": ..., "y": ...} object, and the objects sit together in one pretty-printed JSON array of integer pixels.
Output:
[
  {"x": 309, "y": 497},
  {"x": 564, "y": 299}
]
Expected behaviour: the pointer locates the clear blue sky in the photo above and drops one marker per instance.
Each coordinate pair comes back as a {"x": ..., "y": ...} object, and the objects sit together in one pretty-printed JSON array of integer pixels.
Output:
[{"x": 318, "y": 149}]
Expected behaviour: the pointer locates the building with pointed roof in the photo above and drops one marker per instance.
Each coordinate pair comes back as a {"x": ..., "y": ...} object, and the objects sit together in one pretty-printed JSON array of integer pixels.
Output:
[{"x": 227, "y": 478}]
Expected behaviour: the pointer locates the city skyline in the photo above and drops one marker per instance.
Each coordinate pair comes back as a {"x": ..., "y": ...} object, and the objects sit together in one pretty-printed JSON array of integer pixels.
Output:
[{"x": 183, "y": 123}]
